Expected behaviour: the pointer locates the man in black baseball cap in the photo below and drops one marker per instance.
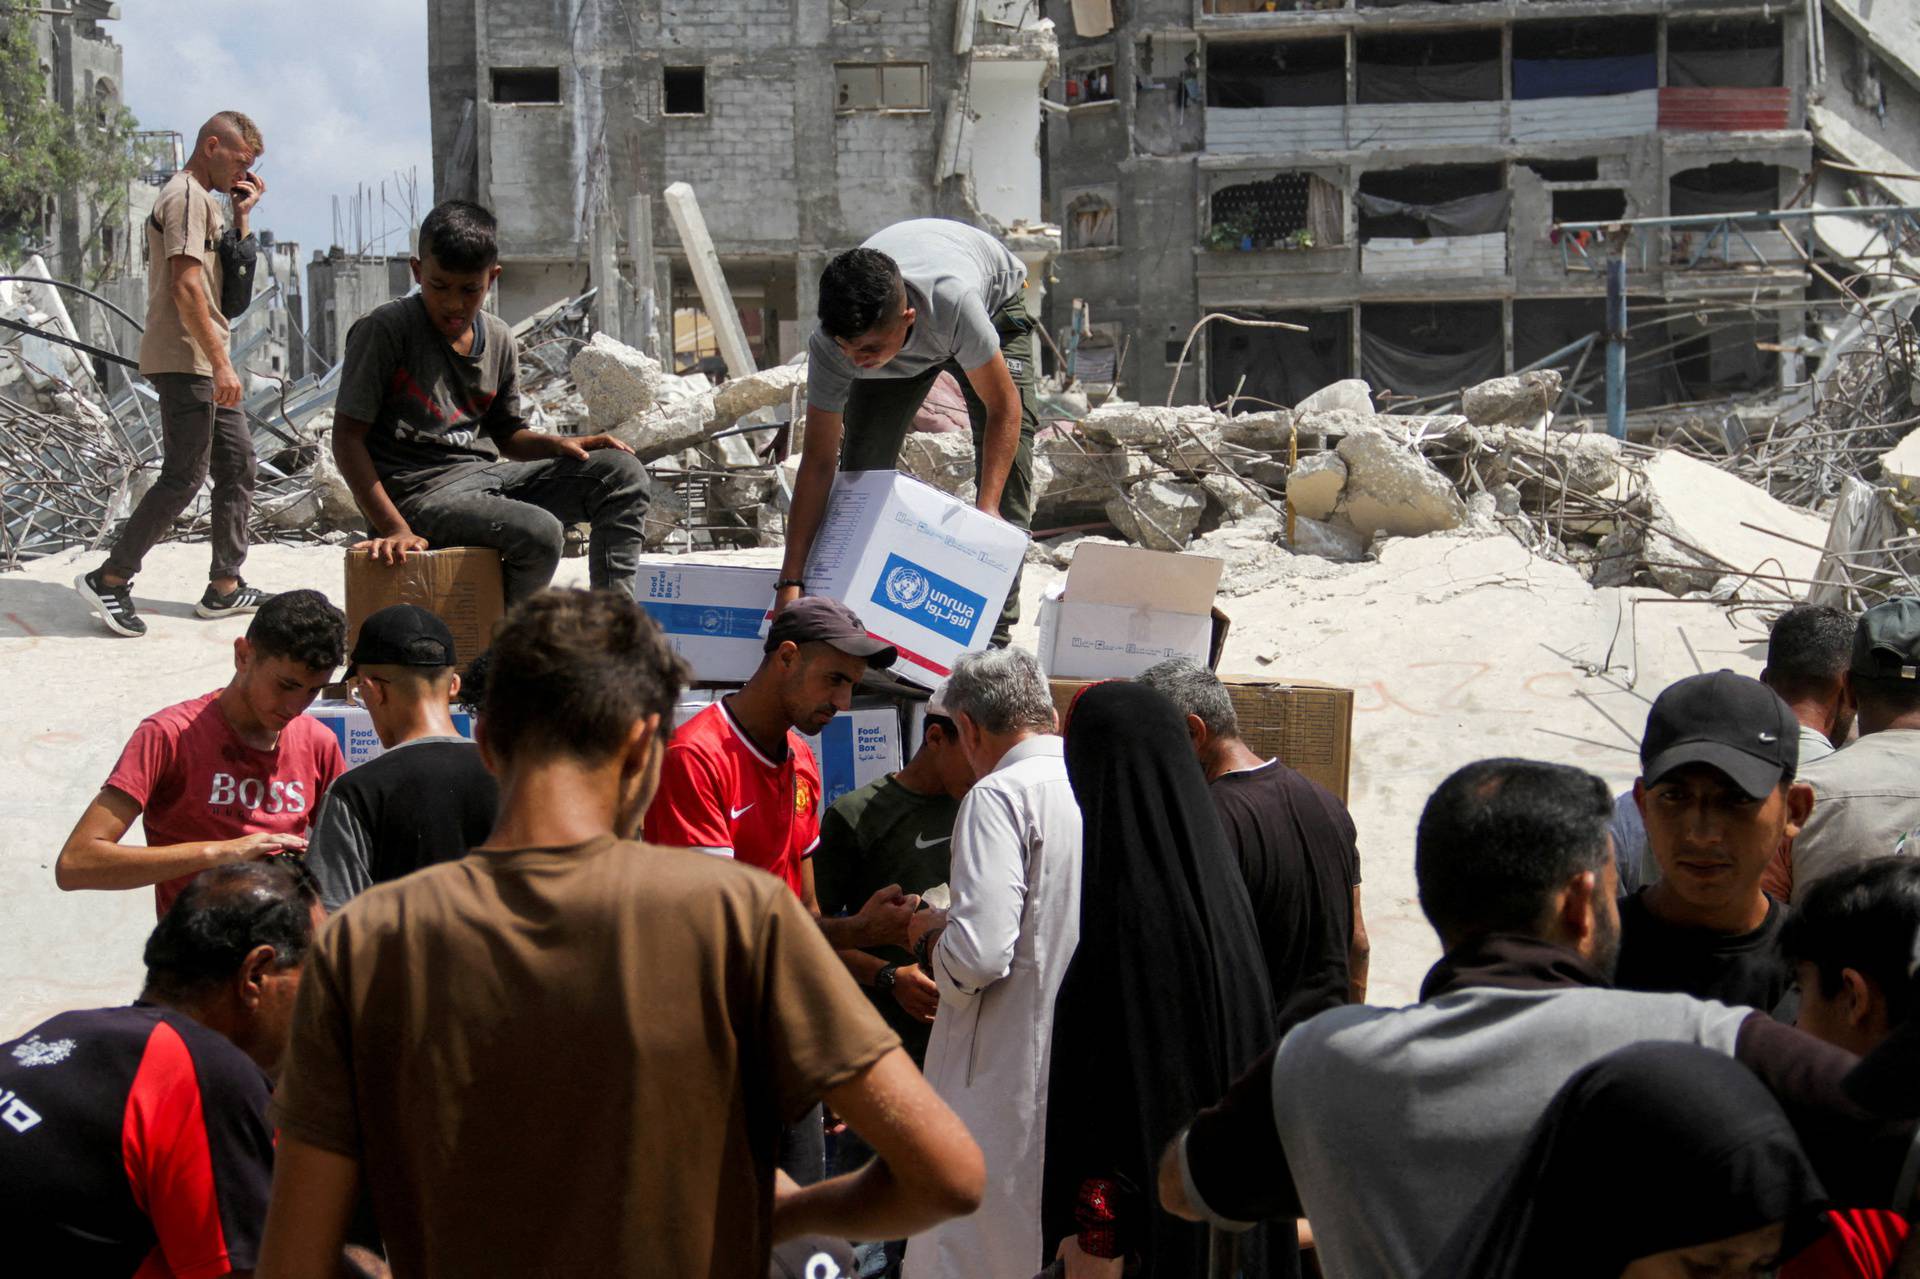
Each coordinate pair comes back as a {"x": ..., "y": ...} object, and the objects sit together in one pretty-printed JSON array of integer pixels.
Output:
[
  {"x": 1718, "y": 795},
  {"x": 427, "y": 798},
  {"x": 1867, "y": 796},
  {"x": 740, "y": 781}
]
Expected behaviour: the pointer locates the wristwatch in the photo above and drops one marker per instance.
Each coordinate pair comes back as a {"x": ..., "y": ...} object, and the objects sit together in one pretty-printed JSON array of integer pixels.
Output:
[{"x": 883, "y": 980}]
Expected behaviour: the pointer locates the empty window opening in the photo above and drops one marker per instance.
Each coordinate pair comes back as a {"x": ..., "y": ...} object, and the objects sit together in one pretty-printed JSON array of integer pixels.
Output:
[
  {"x": 1418, "y": 349},
  {"x": 1594, "y": 204},
  {"x": 880, "y": 86},
  {"x": 526, "y": 85},
  {"x": 1413, "y": 204},
  {"x": 1092, "y": 222},
  {"x": 1278, "y": 73},
  {"x": 1584, "y": 59},
  {"x": 1452, "y": 66},
  {"x": 1564, "y": 170},
  {"x": 1285, "y": 211},
  {"x": 1093, "y": 84},
  {"x": 1279, "y": 367},
  {"x": 1730, "y": 53},
  {"x": 684, "y": 90},
  {"x": 1737, "y": 186}
]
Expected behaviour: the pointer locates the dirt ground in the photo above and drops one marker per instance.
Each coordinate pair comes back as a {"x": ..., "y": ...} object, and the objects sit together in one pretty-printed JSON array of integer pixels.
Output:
[{"x": 1458, "y": 648}]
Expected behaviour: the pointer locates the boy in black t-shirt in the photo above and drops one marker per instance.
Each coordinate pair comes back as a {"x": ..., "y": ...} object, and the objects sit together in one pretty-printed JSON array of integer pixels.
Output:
[
  {"x": 429, "y": 406},
  {"x": 428, "y": 798},
  {"x": 1718, "y": 795}
]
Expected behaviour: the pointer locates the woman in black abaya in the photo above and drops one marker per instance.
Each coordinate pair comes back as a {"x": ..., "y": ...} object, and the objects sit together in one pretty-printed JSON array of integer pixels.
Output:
[{"x": 1165, "y": 1002}]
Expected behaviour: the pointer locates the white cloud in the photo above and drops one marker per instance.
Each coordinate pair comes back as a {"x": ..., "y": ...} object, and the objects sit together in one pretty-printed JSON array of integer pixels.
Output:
[{"x": 339, "y": 91}]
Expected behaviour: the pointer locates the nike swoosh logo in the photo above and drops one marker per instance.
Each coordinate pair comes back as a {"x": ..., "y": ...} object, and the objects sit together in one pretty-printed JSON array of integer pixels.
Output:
[
  {"x": 929, "y": 843},
  {"x": 738, "y": 811}
]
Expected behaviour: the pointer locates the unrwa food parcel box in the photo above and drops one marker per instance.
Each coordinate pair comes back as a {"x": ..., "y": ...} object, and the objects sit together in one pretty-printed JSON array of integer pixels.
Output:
[
  {"x": 353, "y": 726},
  {"x": 1123, "y": 609},
  {"x": 714, "y": 615},
  {"x": 856, "y": 746},
  {"x": 926, "y": 572}
]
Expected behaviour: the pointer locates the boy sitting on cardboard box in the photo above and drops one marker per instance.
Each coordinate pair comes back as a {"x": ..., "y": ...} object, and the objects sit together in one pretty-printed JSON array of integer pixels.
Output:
[{"x": 429, "y": 435}]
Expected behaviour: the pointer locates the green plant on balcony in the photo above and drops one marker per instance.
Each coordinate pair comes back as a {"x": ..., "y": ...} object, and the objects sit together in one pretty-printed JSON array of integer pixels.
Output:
[{"x": 1230, "y": 233}]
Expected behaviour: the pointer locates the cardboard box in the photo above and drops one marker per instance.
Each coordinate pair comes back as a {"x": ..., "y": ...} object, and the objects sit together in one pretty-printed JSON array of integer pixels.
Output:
[
  {"x": 461, "y": 585},
  {"x": 857, "y": 747},
  {"x": 1307, "y": 726},
  {"x": 1122, "y": 609},
  {"x": 353, "y": 726},
  {"x": 925, "y": 571},
  {"x": 714, "y": 616},
  {"x": 854, "y": 748}
]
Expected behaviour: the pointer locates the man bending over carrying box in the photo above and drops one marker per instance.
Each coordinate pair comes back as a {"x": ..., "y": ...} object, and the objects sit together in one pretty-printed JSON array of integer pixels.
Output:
[
  {"x": 918, "y": 299},
  {"x": 429, "y": 435}
]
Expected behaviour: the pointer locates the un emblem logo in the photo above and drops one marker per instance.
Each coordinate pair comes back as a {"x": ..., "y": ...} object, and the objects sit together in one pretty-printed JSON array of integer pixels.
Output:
[{"x": 907, "y": 587}]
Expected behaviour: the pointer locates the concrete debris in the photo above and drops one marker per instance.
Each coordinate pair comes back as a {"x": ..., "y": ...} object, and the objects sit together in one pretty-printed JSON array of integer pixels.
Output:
[
  {"x": 1333, "y": 542},
  {"x": 1389, "y": 488},
  {"x": 667, "y": 427},
  {"x": 1268, "y": 432},
  {"x": 944, "y": 460},
  {"x": 1693, "y": 524},
  {"x": 1233, "y": 499},
  {"x": 763, "y": 390},
  {"x": 1315, "y": 486},
  {"x": 1543, "y": 462},
  {"x": 1521, "y": 400},
  {"x": 1158, "y": 514},
  {"x": 1901, "y": 463},
  {"x": 1350, "y": 395},
  {"x": 617, "y": 382},
  {"x": 1141, "y": 425}
]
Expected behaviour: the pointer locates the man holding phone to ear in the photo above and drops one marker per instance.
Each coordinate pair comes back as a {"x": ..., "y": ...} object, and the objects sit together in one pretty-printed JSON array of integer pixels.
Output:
[{"x": 183, "y": 353}]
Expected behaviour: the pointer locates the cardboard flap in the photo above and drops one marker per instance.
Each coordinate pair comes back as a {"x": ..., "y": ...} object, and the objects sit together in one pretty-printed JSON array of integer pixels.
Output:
[{"x": 1130, "y": 577}]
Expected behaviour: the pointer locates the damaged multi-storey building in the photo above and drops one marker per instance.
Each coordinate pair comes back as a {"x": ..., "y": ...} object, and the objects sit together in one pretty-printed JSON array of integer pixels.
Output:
[
  {"x": 1432, "y": 190},
  {"x": 801, "y": 127}
]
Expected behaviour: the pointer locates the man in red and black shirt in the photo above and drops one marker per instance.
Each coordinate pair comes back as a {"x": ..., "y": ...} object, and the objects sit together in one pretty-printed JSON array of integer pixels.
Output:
[
  {"x": 135, "y": 1141},
  {"x": 738, "y": 781}
]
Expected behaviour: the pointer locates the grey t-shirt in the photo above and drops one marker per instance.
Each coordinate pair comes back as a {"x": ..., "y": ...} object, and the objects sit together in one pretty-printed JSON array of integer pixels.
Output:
[
  {"x": 956, "y": 276},
  {"x": 431, "y": 409},
  {"x": 1866, "y": 803}
]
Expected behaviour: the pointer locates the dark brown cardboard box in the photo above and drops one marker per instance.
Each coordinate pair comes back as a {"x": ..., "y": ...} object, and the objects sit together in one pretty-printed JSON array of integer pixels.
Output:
[
  {"x": 461, "y": 585},
  {"x": 1307, "y": 726}
]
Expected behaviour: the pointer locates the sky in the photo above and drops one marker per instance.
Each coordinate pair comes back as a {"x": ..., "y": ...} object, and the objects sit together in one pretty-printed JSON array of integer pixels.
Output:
[{"x": 339, "y": 92}]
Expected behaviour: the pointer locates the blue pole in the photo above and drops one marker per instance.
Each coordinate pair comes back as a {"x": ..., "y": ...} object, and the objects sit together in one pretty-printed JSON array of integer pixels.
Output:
[{"x": 1617, "y": 345}]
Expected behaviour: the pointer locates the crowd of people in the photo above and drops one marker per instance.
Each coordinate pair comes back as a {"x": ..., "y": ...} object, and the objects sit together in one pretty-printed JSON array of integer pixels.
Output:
[{"x": 1081, "y": 993}]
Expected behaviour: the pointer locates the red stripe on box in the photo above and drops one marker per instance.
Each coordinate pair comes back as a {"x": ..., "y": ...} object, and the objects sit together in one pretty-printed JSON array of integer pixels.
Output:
[{"x": 916, "y": 658}]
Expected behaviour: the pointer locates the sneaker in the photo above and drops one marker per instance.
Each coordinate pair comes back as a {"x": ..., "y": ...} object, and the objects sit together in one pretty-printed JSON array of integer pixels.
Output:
[
  {"x": 242, "y": 599},
  {"x": 114, "y": 604}
]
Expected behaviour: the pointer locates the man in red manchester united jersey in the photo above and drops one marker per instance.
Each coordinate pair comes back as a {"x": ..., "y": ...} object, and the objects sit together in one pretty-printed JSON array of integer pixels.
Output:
[{"x": 739, "y": 781}]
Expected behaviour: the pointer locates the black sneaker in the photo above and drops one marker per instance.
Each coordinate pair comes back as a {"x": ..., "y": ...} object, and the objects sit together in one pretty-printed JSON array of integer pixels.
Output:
[
  {"x": 114, "y": 604},
  {"x": 242, "y": 599}
]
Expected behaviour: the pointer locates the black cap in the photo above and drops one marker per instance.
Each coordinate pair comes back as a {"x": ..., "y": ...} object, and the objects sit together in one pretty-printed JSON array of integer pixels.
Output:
[
  {"x": 1886, "y": 644},
  {"x": 815, "y": 619},
  {"x": 1736, "y": 724},
  {"x": 402, "y": 635},
  {"x": 1887, "y": 1080}
]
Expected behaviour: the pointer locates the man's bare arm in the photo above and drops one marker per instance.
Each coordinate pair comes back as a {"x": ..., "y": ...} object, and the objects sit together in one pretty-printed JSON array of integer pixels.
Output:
[
  {"x": 313, "y": 1196},
  {"x": 190, "y": 297},
  {"x": 392, "y": 539},
  {"x": 819, "y": 462},
  {"x": 929, "y": 1169},
  {"x": 993, "y": 383},
  {"x": 93, "y": 857},
  {"x": 1359, "y": 951}
]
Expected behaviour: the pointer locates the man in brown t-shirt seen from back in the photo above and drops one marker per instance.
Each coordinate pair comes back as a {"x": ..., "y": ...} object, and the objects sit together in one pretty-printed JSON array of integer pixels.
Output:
[
  {"x": 429, "y": 435},
  {"x": 570, "y": 1053},
  {"x": 183, "y": 353}
]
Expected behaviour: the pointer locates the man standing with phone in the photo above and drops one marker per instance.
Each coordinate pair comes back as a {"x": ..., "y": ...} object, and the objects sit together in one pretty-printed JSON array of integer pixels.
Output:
[{"x": 183, "y": 353}]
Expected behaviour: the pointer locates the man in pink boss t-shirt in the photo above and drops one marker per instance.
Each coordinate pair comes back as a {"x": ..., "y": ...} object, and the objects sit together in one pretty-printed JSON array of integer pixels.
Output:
[{"x": 230, "y": 776}]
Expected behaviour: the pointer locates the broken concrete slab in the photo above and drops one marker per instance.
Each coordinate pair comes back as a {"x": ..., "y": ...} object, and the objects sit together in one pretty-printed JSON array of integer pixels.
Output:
[
  {"x": 1350, "y": 395},
  {"x": 1192, "y": 446},
  {"x": 337, "y": 506},
  {"x": 1588, "y": 463},
  {"x": 735, "y": 399},
  {"x": 1160, "y": 515},
  {"x": 1333, "y": 542},
  {"x": 668, "y": 427},
  {"x": 1233, "y": 499},
  {"x": 1083, "y": 470},
  {"x": 1269, "y": 432},
  {"x": 1520, "y": 400},
  {"x": 1315, "y": 485},
  {"x": 1140, "y": 425},
  {"x": 616, "y": 381},
  {"x": 1901, "y": 463},
  {"x": 1696, "y": 523},
  {"x": 1389, "y": 488}
]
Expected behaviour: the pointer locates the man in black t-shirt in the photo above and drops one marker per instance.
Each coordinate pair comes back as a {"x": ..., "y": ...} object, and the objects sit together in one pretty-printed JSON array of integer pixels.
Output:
[
  {"x": 1296, "y": 847},
  {"x": 1718, "y": 795},
  {"x": 135, "y": 1140},
  {"x": 428, "y": 798},
  {"x": 428, "y": 408}
]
